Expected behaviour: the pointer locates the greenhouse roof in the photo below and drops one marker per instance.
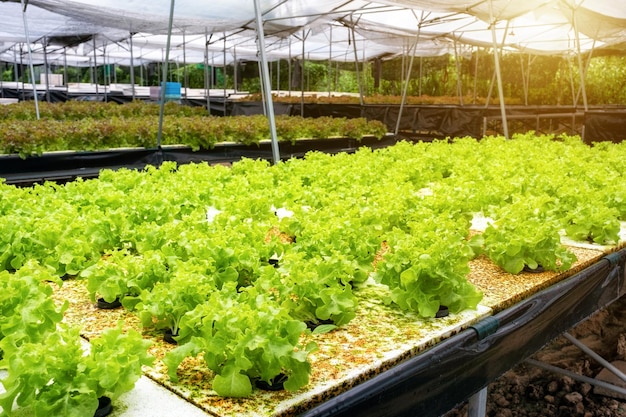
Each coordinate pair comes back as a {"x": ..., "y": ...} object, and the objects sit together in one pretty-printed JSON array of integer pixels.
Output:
[{"x": 223, "y": 31}]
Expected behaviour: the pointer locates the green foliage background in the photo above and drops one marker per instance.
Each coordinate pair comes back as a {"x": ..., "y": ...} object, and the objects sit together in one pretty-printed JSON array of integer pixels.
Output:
[{"x": 528, "y": 79}]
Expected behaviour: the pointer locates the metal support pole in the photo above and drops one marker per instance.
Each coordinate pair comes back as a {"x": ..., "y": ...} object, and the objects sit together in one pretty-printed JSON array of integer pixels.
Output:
[
  {"x": 235, "y": 69},
  {"x": 475, "y": 74},
  {"x": 95, "y": 66},
  {"x": 302, "y": 76},
  {"x": 405, "y": 88},
  {"x": 266, "y": 82},
  {"x": 577, "y": 377},
  {"x": 30, "y": 60},
  {"x": 490, "y": 91},
  {"x": 496, "y": 57},
  {"x": 580, "y": 61},
  {"x": 106, "y": 81},
  {"x": 46, "y": 69},
  {"x": 289, "y": 69},
  {"x": 260, "y": 65},
  {"x": 165, "y": 69},
  {"x": 224, "y": 74},
  {"x": 207, "y": 80},
  {"x": 419, "y": 90},
  {"x": 459, "y": 86},
  {"x": 132, "y": 67},
  {"x": 330, "y": 59},
  {"x": 65, "y": 77},
  {"x": 278, "y": 74},
  {"x": 408, "y": 76},
  {"x": 185, "y": 73},
  {"x": 356, "y": 66},
  {"x": 477, "y": 404},
  {"x": 15, "y": 75},
  {"x": 595, "y": 356}
]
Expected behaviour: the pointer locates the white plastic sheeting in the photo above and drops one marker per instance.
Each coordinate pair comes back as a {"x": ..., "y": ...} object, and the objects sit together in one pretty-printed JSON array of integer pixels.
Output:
[{"x": 70, "y": 29}]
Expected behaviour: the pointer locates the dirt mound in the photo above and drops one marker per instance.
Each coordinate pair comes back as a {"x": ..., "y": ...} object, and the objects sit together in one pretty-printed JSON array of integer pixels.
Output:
[{"x": 529, "y": 391}]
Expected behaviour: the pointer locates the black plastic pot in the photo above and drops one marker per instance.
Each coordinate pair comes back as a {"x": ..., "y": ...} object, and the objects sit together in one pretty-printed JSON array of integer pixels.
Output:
[
  {"x": 168, "y": 336},
  {"x": 537, "y": 270},
  {"x": 273, "y": 262},
  {"x": 277, "y": 383},
  {"x": 442, "y": 312},
  {"x": 104, "y": 407},
  {"x": 105, "y": 305},
  {"x": 313, "y": 325}
]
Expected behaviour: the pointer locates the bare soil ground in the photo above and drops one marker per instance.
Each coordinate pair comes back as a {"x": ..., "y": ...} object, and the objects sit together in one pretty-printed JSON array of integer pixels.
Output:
[{"x": 529, "y": 391}]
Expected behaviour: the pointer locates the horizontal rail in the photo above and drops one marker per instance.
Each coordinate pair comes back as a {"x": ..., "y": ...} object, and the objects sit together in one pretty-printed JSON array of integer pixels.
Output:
[{"x": 537, "y": 117}]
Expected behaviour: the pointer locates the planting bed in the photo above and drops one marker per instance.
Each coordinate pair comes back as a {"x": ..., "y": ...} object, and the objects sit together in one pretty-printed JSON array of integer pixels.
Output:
[
  {"x": 244, "y": 261},
  {"x": 376, "y": 340}
]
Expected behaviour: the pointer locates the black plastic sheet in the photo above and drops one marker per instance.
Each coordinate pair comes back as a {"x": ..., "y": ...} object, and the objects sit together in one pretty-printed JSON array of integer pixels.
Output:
[
  {"x": 65, "y": 166},
  {"x": 608, "y": 125},
  {"x": 249, "y": 108},
  {"x": 439, "y": 379}
]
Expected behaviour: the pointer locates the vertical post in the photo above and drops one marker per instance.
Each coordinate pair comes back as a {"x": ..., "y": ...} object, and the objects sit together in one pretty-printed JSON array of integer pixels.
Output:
[
  {"x": 132, "y": 67},
  {"x": 476, "y": 74},
  {"x": 302, "y": 76},
  {"x": 105, "y": 79},
  {"x": 419, "y": 91},
  {"x": 581, "y": 69},
  {"x": 30, "y": 60},
  {"x": 235, "y": 69},
  {"x": 95, "y": 66},
  {"x": 356, "y": 65},
  {"x": 330, "y": 59},
  {"x": 477, "y": 406},
  {"x": 224, "y": 74},
  {"x": 459, "y": 86},
  {"x": 408, "y": 75},
  {"x": 65, "y": 77},
  {"x": 405, "y": 88},
  {"x": 496, "y": 58},
  {"x": 15, "y": 75},
  {"x": 403, "y": 62},
  {"x": 289, "y": 68},
  {"x": 278, "y": 74},
  {"x": 185, "y": 74},
  {"x": 266, "y": 82},
  {"x": 365, "y": 71},
  {"x": 46, "y": 68},
  {"x": 165, "y": 69},
  {"x": 207, "y": 80},
  {"x": 212, "y": 80},
  {"x": 259, "y": 65}
]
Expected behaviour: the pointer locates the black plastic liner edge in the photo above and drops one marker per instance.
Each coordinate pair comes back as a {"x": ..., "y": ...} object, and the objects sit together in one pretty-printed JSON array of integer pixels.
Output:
[
  {"x": 441, "y": 378},
  {"x": 66, "y": 166}
]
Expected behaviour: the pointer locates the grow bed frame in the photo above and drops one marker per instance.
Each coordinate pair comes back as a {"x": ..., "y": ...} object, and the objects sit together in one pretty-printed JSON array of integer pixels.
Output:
[
  {"x": 390, "y": 363},
  {"x": 400, "y": 370},
  {"x": 64, "y": 166}
]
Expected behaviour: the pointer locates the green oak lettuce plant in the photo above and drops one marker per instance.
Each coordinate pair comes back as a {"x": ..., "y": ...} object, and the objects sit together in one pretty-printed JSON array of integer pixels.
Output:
[
  {"x": 164, "y": 305},
  {"x": 27, "y": 309},
  {"x": 243, "y": 337},
  {"x": 521, "y": 239},
  {"x": 426, "y": 267},
  {"x": 120, "y": 275},
  {"x": 56, "y": 377},
  {"x": 313, "y": 290},
  {"x": 593, "y": 223}
]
